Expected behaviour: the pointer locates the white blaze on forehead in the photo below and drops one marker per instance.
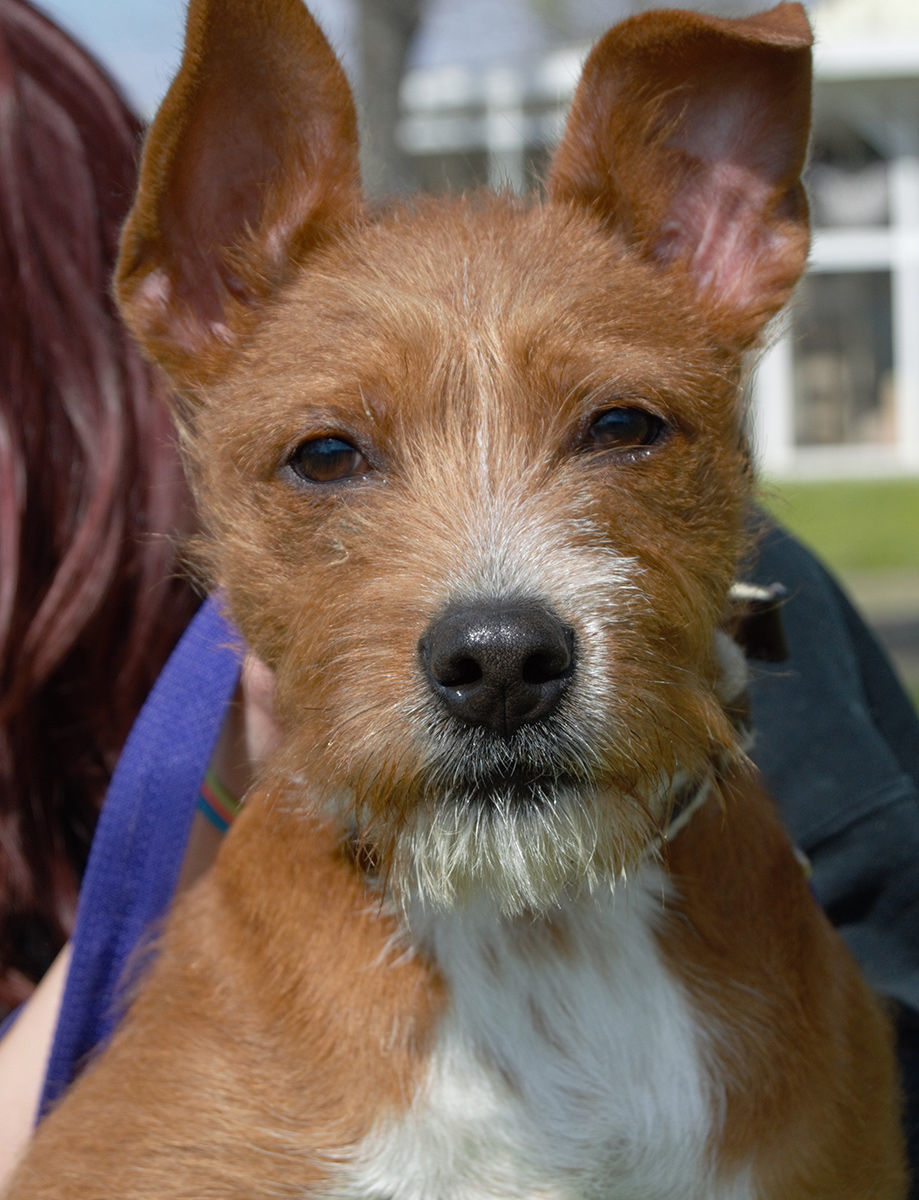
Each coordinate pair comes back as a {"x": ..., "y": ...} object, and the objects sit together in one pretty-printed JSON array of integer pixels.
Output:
[
  {"x": 515, "y": 548},
  {"x": 519, "y": 546}
]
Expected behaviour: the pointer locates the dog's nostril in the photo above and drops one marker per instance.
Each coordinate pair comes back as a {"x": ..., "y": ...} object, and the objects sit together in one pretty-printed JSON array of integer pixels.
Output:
[
  {"x": 498, "y": 665},
  {"x": 547, "y": 665},
  {"x": 459, "y": 672}
]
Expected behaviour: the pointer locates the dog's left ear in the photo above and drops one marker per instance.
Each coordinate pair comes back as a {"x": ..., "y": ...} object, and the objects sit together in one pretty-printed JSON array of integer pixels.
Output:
[
  {"x": 251, "y": 160},
  {"x": 688, "y": 135}
]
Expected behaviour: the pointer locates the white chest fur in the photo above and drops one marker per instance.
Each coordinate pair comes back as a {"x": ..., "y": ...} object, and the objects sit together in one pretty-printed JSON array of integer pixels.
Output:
[{"x": 569, "y": 1066}]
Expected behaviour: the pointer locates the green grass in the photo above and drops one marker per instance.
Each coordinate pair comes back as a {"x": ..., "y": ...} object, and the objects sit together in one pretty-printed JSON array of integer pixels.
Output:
[
  {"x": 864, "y": 525},
  {"x": 867, "y": 531}
]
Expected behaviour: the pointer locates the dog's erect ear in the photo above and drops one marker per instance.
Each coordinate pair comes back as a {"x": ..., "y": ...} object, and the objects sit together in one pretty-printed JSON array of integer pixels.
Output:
[
  {"x": 688, "y": 135},
  {"x": 251, "y": 160}
]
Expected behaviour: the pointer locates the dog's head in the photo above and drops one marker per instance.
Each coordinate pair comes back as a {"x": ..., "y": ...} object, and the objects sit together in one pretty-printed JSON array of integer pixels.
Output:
[{"x": 473, "y": 470}]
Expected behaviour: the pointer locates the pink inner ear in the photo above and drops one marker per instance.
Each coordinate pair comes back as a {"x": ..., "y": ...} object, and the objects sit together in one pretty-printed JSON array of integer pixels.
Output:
[
  {"x": 159, "y": 305},
  {"x": 728, "y": 216},
  {"x": 718, "y": 222},
  {"x": 250, "y": 162}
]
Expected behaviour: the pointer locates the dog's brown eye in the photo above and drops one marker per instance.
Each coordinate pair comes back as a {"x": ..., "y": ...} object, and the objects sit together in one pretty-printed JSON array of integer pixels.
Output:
[
  {"x": 327, "y": 460},
  {"x": 626, "y": 428}
]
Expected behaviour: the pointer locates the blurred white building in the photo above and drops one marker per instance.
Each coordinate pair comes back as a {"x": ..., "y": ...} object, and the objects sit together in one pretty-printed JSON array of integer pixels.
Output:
[{"x": 838, "y": 393}]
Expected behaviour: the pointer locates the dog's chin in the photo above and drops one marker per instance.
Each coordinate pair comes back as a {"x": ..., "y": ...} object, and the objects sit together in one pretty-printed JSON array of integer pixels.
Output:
[{"x": 517, "y": 843}]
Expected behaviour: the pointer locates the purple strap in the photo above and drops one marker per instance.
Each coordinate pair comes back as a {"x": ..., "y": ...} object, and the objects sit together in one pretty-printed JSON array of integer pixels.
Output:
[{"x": 142, "y": 833}]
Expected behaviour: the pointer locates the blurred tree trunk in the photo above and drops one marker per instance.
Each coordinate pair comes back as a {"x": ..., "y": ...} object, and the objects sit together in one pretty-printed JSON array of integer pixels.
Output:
[{"x": 385, "y": 30}]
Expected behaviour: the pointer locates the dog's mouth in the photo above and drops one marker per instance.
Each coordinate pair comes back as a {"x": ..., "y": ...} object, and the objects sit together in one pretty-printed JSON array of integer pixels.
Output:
[
  {"x": 509, "y": 790},
  {"x": 541, "y": 765},
  {"x": 521, "y": 791}
]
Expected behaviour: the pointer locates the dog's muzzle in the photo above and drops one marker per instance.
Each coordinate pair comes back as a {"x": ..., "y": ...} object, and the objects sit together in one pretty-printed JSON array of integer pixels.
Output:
[{"x": 499, "y": 665}]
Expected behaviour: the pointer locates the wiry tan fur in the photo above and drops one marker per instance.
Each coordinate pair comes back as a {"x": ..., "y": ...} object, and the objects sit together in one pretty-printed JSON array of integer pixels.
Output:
[
  {"x": 317, "y": 1007},
  {"x": 474, "y": 503}
]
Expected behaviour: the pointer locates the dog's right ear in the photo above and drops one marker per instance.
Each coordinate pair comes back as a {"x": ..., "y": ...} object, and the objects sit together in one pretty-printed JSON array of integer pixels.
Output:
[{"x": 251, "y": 161}]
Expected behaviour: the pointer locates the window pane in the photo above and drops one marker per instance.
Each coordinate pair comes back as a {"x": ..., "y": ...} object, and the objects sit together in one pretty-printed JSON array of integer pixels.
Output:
[
  {"x": 848, "y": 180},
  {"x": 843, "y": 360}
]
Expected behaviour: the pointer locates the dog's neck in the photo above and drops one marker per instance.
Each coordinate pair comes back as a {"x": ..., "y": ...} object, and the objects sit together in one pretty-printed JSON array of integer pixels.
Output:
[
  {"x": 683, "y": 798},
  {"x": 543, "y": 1012}
]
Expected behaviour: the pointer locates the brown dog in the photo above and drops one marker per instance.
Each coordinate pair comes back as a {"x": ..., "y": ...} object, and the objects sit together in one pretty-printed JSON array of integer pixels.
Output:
[{"x": 475, "y": 483}]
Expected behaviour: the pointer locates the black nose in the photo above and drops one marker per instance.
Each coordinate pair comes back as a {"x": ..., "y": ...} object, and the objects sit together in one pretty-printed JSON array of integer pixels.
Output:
[{"x": 498, "y": 665}]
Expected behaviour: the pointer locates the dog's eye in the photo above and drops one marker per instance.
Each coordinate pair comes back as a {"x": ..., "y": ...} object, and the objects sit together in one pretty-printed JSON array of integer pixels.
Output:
[
  {"x": 327, "y": 460},
  {"x": 626, "y": 428}
]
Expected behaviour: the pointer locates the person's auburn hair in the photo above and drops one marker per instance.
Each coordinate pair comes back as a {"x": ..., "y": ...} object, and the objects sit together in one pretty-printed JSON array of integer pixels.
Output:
[{"x": 91, "y": 490}]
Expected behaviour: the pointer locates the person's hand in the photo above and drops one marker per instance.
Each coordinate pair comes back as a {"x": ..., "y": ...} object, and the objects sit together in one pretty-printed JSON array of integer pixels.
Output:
[
  {"x": 260, "y": 731},
  {"x": 250, "y": 733},
  {"x": 248, "y": 737},
  {"x": 23, "y": 1054}
]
